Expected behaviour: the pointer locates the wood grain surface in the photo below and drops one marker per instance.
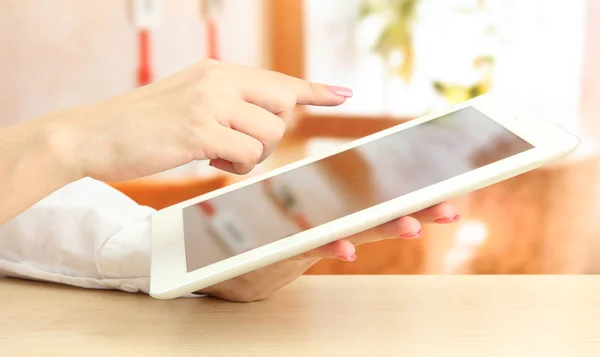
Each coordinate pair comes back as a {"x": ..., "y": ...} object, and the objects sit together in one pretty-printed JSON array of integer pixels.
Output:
[{"x": 433, "y": 316}]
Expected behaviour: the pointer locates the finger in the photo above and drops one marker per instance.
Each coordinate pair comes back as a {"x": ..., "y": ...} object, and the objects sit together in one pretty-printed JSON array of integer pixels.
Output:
[
  {"x": 442, "y": 213},
  {"x": 403, "y": 228},
  {"x": 253, "y": 120},
  {"x": 223, "y": 165},
  {"x": 267, "y": 88},
  {"x": 318, "y": 94},
  {"x": 311, "y": 93},
  {"x": 242, "y": 150},
  {"x": 406, "y": 228},
  {"x": 341, "y": 249}
]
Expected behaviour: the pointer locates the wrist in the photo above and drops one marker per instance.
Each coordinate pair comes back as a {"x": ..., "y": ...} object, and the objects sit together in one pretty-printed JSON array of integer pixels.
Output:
[
  {"x": 37, "y": 158},
  {"x": 57, "y": 142}
]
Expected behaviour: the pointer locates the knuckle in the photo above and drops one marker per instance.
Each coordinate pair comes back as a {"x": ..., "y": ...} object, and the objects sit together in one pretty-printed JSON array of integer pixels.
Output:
[
  {"x": 200, "y": 100},
  {"x": 280, "y": 77},
  {"x": 276, "y": 130},
  {"x": 285, "y": 101},
  {"x": 401, "y": 226},
  {"x": 211, "y": 70},
  {"x": 198, "y": 115},
  {"x": 290, "y": 100},
  {"x": 243, "y": 171},
  {"x": 209, "y": 61},
  {"x": 254, "y": 152},
  {"x": 194, "y": 134},
  {"x": 196, "y": 143},
  {"x": 250, "y": 153},
  {"x": 389, "y": 229}
]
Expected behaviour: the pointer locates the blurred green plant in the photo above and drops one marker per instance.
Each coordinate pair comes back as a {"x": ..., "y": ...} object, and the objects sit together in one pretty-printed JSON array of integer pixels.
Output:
[
  {"x": 458, "y": 93},
  {"x": 396, "y": 34}
]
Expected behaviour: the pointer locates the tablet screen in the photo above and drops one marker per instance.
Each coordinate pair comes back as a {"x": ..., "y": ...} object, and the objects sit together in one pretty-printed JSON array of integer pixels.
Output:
[{"x": 343, "y": 184}]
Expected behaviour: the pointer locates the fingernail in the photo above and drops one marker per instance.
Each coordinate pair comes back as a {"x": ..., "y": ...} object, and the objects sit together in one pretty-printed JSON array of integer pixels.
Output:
[
  {"x": 341, "y": 91},
  {"x": 349, "y": 258},
  {"x": 412, "y": 235},
  {"x": 445, "y": 220}
]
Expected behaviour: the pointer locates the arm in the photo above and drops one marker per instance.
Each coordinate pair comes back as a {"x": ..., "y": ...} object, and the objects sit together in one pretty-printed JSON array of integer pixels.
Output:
[
  {"x": 85, "y": 234},
  {"x": 193, "y": 115},
  {"x": 36, "y": 159}
]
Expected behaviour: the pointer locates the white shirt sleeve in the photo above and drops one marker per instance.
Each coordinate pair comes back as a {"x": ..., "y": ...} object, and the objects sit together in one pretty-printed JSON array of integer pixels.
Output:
[{"x": 86, "y": 234}]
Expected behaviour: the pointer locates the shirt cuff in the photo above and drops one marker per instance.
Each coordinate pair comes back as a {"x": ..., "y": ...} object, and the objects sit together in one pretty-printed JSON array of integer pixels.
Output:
[{"x": 87, "y": 234}]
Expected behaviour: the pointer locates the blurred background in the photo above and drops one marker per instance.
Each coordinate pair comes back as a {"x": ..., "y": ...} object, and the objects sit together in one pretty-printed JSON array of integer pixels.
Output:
[{"x": 402, "y": 58}]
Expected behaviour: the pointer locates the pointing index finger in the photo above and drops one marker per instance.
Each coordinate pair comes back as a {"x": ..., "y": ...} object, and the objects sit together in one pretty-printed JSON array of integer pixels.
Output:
[
  {"x": 307, "y": 93},
  {"x": 311, "y": 93}
]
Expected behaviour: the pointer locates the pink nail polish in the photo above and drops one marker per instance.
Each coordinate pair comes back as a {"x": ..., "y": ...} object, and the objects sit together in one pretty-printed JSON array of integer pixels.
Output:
[
  {"x": 412, "y": 235},
  {"x": 349, "y": 258},
  {"x": 445, "y": 220},
  {"x": 341, "y": 91}
]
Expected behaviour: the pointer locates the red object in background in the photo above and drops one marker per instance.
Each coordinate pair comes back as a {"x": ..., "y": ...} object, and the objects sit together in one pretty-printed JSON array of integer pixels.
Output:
[
  {"x": 207, "y": 13},
  {"x": 212, "y": 35},
  {"x": 144, "y": 64}
]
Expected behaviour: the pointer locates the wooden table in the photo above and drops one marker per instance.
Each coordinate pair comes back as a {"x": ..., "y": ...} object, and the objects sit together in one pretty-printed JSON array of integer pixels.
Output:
[{"x": 316, "y": 316}]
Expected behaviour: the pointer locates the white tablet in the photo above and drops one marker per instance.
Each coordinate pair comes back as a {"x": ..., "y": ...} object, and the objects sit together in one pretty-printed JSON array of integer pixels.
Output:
[{"x": 373, "y": 180}]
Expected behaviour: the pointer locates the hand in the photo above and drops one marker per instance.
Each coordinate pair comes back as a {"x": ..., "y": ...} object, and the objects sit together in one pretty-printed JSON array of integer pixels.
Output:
[
  {"x": 231, "y": 115},
  {"x": 261, "y": 283}
]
